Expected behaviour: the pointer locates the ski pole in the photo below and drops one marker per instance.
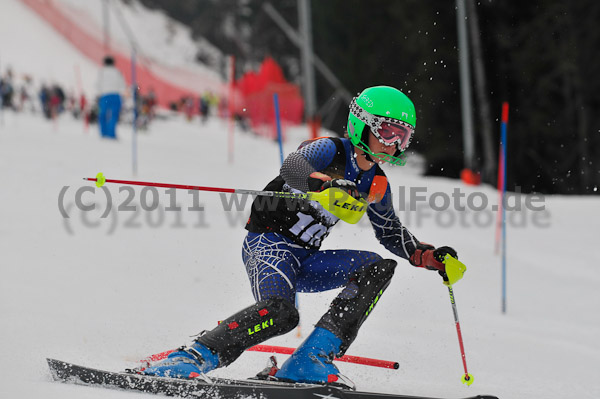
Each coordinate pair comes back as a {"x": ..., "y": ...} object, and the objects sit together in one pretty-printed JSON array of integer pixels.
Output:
[
  {"x": 284, "y": 350},
  {"x": 466, "y": 378},
  {"x": 100, "y": 180},
  {"x": 454, "y": 271},
  {"x": 334, "y": 199}
]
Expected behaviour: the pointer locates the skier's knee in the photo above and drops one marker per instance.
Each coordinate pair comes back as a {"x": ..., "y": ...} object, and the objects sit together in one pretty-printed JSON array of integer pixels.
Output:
[
  {"x": 356, "y": 301},
  {"x": 285, "y": 312},
  {"x": 380, "y": 271},
  {"x": 374, "y": 257}
]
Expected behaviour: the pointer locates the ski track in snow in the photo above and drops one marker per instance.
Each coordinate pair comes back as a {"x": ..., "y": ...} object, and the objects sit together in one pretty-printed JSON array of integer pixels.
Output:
[{"x": 107, "y": 292}]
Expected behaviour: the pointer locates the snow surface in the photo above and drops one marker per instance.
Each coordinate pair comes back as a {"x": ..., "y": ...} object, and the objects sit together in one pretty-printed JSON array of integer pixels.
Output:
[
  {"x": 31, "y": 47},
  {"x": 107, "y": 292},
  {"x": 164, "y": 45}
]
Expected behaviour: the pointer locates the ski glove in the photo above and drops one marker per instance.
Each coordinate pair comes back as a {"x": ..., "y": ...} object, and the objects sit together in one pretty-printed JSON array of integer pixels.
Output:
[
  {"x": 318, "y": 182},
  {"x": 429, "y": 257}
]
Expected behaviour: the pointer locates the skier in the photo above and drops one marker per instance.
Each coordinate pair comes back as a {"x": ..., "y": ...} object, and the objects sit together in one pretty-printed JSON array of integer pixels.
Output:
[{"x": 281, "y": 250}]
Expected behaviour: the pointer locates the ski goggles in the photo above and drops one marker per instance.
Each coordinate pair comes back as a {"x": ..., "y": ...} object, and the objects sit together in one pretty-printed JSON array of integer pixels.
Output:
[{"x": 388, "y": 131}]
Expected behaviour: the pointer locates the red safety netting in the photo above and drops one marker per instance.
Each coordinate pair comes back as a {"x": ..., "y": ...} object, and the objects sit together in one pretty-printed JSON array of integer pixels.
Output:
[
  {"x": 251, "y": 97},
  {"x": 93, "y": 48},
  {"x": 257, "y": 90}
]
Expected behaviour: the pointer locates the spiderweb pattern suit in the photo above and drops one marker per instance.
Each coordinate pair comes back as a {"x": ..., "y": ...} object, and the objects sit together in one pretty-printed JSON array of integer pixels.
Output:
[{"x": 282, "y": 256}]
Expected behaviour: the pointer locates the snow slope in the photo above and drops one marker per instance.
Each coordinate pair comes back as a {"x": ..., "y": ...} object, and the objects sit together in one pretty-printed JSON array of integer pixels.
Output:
[
  {"x": 158, "y": 37},
  {"x": 164, "y": 46},
  {"x": 106, "y": 292},
  {"x": 30, "y": 46}
]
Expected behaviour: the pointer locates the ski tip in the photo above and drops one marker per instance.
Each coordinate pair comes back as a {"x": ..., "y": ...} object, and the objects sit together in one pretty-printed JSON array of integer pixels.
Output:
[
  {"x": 396, "y": 365},
  {"x": 54, "y": 365}
]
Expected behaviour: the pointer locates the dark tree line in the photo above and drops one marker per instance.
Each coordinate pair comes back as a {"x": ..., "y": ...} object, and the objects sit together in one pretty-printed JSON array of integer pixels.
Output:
[{"x": 542, "y": 56}]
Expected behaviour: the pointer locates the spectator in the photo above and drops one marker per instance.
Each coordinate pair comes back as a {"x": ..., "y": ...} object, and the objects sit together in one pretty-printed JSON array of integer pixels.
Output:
[
  {"x": 150, "y": 103},
  {"x": 25, "y": 95},
  {"x": 57, "y": 101},
  {"x": 187, "y": 104},
  {"x": 44, "y": 96},
  {"x": 7, "y": 90},
  {"x": 204, "y": 107},
  {"x": 111, "y": 86},
  {"x": 146, "y": 105}
]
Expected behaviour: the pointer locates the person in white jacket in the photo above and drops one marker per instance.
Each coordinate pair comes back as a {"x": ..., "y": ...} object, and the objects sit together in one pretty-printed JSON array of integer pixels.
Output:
[{"x": 111, "y": 86}]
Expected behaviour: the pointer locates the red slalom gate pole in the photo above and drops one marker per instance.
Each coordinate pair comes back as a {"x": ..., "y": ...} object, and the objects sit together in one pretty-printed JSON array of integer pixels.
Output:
[{"x": 284, "y": 350}]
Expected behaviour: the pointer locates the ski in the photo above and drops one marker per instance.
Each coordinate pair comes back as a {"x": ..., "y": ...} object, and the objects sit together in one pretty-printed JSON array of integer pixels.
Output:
[{"x": 209, "y": 388}]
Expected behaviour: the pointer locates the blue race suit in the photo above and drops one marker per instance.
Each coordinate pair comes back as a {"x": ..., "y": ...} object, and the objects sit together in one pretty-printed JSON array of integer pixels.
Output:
[{"x": 281, "y": 251}]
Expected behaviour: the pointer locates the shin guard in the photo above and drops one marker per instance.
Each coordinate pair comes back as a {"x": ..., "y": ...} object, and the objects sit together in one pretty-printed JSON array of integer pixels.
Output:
[
  {"x": 352, "y": 306},
  {"x": 249, "y": 327}
]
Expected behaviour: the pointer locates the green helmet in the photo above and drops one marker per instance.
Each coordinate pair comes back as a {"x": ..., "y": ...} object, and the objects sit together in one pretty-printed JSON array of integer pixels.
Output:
[{"x": 389, "y": 114}]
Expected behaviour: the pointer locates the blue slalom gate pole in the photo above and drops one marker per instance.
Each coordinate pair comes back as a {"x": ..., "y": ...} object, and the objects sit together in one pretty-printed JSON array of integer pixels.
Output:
[
  {"x": 503, "y": 146},
  {"x": 134, "y": 97},
  {"x": 1, "y": 106},
  {"x": 278, "y": 123}
]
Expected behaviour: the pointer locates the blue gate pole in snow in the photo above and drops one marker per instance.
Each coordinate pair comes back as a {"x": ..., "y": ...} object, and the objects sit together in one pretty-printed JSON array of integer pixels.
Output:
[
  {"x": 134, "y": 97},
  {"x": 503, "y": 146},
  {"x": 278, "y": 122},
  {"x": 1, "y": 106}
]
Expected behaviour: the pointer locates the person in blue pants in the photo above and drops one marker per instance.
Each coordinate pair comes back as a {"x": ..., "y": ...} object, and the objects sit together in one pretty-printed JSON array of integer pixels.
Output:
[
  {"x": 108, "y": 115},
  {"x": 282, "y": 252},
  {"x": 110, "y": 87}
]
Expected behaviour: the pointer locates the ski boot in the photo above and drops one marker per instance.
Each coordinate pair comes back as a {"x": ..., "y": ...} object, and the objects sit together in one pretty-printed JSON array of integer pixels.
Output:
[
  {"x": 312, "y": 362},
  {"x": 186, "y": 362}
]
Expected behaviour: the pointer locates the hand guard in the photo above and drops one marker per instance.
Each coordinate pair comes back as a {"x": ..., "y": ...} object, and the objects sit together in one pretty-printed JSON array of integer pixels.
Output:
[
  {"x": 318, "y": 182},
  {"x": 429, "y": 257}
]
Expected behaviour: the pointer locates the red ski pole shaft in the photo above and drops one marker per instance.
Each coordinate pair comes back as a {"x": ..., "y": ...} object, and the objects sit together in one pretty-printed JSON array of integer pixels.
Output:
[
  {"x": 165, "y": 185},
  {"x": 284, "y": 350},
  {"x": 460, "y": 339},
  {"x": 201, "y": 188}
]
